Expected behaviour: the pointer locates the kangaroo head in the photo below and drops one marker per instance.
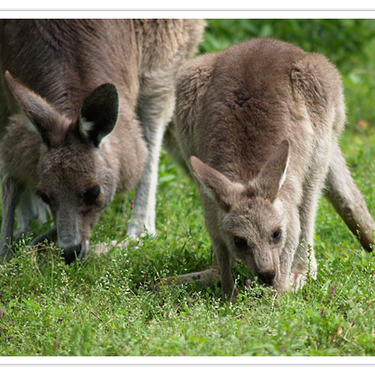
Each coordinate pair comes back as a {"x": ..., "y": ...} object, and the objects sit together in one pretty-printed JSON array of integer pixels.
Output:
[
  {"x": 74, "y": 178},
  {"x": 250, "y": 217}
]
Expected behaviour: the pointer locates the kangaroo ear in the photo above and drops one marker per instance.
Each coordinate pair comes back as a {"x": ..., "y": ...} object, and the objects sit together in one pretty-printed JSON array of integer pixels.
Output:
[
  {"x": 217, "y": 186},
  {"x": 273, "y": 174},
  {"x": 43, "y": 118},
  {"x": 98, "y": 113}
]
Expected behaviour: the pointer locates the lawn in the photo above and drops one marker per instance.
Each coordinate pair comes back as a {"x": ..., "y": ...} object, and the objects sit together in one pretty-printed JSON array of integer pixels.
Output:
[{"x": 103, "y": 306}]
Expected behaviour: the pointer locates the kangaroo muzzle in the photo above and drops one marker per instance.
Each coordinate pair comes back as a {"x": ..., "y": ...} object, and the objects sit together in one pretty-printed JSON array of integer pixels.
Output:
[
  {"x": 267, "y": 277},
  {"x": 70, "y": 239}
]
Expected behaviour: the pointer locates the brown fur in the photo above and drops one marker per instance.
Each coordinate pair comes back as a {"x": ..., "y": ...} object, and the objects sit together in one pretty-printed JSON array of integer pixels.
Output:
[
  {"x": 257, "y": 127},
  {"x": 70, "y": 82}
]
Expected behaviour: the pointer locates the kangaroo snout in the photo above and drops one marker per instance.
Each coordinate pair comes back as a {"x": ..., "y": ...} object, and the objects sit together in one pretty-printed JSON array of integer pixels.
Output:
[
  {"x": 72, "y": 253},
  {"x": 267, "y": 276},
  {"x": 71, "y": 249},
  {"x": 73, "y": 244}
]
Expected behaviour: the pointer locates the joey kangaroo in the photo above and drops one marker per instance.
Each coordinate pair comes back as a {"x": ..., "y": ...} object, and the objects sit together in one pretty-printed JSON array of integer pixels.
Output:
[
  {"x": 83, "y": 109},
  {"x": 257, "y": 126}
]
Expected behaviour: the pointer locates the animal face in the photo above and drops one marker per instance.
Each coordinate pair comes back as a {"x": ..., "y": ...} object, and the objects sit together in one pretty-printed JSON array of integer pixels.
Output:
[
  {"x": 74, "y": 178},
  {"x": 77, "y": 186},
  {"x": 254, "y": 231},
  {"x": 249, "y": 216}
]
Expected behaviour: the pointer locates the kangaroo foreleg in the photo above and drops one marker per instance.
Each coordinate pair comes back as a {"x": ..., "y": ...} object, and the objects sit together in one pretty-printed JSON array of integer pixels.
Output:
[
  {"x": 10, "y": 192},
  {"x": 50, "y": 236},
  {"x": 205, "y": 277}
]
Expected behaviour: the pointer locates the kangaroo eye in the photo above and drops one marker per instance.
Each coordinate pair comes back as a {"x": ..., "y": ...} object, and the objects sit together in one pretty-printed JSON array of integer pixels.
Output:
[
  {"x": 276, "y": 235},
  {"x": 240, "y": 242},
  {"x": 43, "y": 197},
  {"x": 91, "y": 195}
]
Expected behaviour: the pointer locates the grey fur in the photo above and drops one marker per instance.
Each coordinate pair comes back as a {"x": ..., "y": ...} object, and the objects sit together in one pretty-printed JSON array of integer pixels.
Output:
[
  {"x": 257, "y": 126},
  {"x": 82, "y": 116}
]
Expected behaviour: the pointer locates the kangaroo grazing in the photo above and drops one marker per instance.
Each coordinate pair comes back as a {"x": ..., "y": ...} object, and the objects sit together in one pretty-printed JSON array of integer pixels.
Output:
[
  {"x": 257, "y": 126},
  {"x": 83, "y": 109}
]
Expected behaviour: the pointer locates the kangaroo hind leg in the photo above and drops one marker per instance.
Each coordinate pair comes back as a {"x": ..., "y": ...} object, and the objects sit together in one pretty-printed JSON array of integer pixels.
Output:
[
  {"x": 156, "y": 103},
  {"x": 344, "y": 195}
]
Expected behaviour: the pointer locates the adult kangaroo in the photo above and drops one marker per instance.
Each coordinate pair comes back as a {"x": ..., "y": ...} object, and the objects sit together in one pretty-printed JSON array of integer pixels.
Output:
[
  {"x": 83, "y": 109},
  {"x": 257, "y": 126}
]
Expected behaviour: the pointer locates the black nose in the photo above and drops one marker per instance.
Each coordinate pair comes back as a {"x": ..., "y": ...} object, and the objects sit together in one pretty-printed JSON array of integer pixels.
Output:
[
  {"x": 267, "y": 277},
  {"x": 72, "y": 253}
]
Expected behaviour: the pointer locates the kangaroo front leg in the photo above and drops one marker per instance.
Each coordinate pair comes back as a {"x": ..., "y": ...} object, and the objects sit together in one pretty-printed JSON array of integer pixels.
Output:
[
  {"x": 156, "y": 105},
  {"x": 29, "y": 208},
  {"x": 285, "y": 278},
  {"x": 343, "y": 193},
  {"x": 50, "y": 236},
  {"x": 10, "y": 192},
  {"x": 223, "y": 260},
  {"x": 205, "y": 277},
  {"x": 304, "y": 261}
]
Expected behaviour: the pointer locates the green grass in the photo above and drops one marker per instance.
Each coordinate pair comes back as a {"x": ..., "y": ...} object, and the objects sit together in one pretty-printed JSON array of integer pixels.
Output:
[{"x": 102, "y": 306}]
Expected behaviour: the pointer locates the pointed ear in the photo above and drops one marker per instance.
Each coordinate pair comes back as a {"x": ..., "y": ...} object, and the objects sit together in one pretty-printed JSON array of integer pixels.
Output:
[
  {"x": 217, "y": 186},
  {"x": 98, "y": 113},
  {"x": 43, "y": 118},
  {"x": 273, "y": 174}
]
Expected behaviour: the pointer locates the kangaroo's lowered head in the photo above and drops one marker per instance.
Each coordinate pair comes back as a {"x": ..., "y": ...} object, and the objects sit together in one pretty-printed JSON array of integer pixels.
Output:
[
  {"x": 249, "y": 218},
  {"x": 75, "y": 180}
]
